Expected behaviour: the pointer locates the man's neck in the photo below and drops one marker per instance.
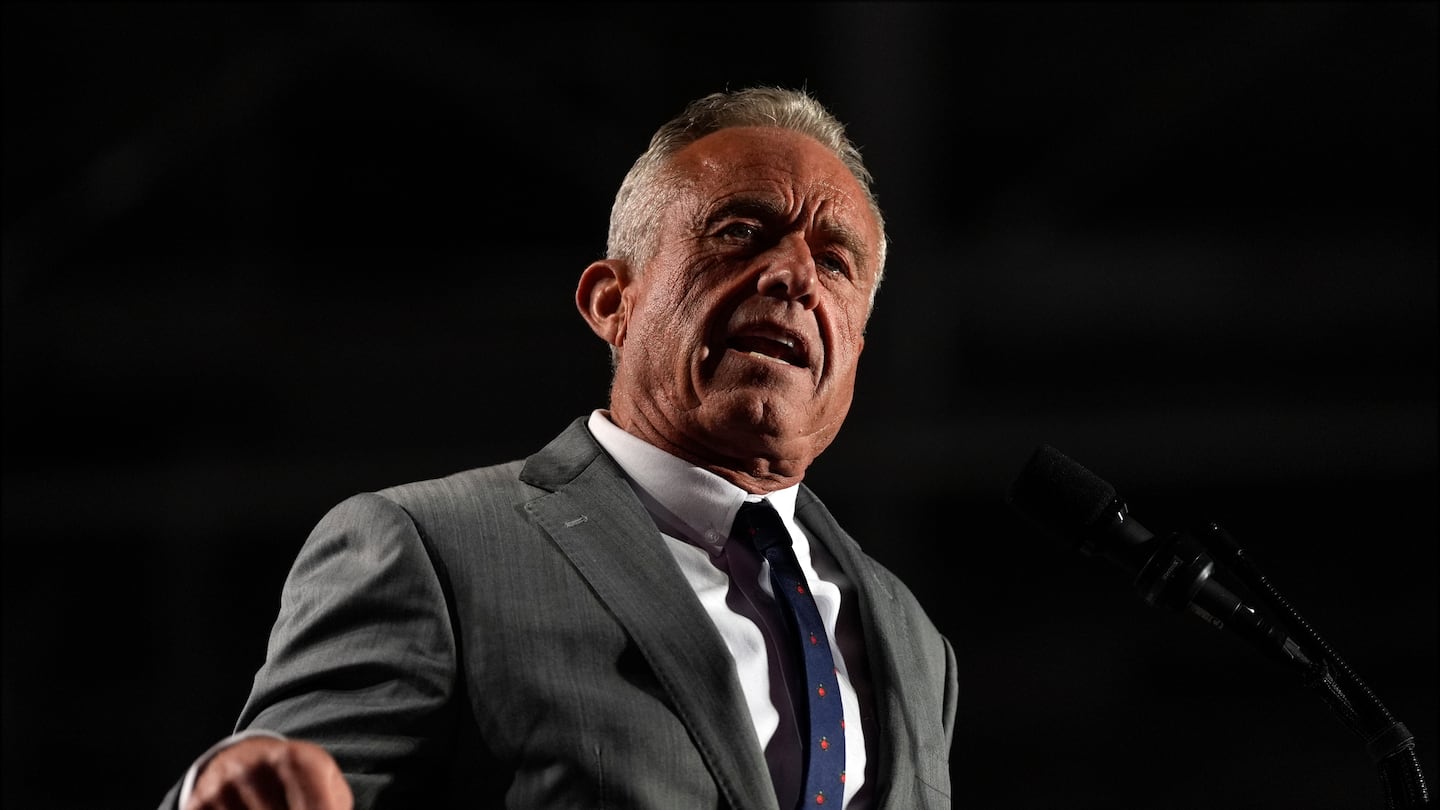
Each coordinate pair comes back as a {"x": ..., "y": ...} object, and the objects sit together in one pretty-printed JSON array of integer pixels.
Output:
[{"x": 758, "y": 474}]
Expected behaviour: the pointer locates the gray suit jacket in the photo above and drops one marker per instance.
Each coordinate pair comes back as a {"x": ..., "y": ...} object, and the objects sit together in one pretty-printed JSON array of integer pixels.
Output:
[{"x": 519, "y": 636}]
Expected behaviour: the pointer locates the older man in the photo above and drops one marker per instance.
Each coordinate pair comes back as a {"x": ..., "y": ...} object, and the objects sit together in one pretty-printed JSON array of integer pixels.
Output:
[{"x": 652, "y": 611}]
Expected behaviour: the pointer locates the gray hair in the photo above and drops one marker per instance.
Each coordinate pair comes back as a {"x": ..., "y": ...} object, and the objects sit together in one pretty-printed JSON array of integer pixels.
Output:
[{"x": 643, "y": 194}]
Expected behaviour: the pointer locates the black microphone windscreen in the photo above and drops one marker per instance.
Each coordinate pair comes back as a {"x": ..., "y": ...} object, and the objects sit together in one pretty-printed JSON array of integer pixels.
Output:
[{"x": 1059, "y": 493}]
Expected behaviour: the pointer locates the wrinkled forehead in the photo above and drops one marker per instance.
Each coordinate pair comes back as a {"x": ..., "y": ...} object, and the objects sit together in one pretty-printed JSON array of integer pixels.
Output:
[{"x": 791, "y": 170}]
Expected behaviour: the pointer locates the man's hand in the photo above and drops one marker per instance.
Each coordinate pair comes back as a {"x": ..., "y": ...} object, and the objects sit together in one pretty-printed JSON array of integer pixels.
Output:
[{"x": 261, "y": 773}]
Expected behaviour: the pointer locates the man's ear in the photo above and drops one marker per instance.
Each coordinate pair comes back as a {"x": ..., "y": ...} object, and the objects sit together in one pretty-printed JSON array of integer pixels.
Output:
[{"x": 600, "y": 300}]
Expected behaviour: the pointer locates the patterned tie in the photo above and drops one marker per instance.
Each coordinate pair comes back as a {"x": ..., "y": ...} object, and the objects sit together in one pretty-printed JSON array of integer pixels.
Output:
[{"x": 824, "y": 726}]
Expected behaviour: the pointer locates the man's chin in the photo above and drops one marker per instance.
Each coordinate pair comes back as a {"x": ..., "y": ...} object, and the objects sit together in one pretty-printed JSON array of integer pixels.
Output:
[
  {"x": 750, "y": 410},
  {"x": 756, "y": 423}
]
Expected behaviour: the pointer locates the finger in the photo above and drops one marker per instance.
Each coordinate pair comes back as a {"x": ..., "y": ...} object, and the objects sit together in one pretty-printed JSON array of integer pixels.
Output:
[
  {"x": 265, "y": 788},
  {"x": 256, "y": 788},
  {"x": 224, "y": 795},
  {"x": 217, "y": 785},
  {"x": 339, "y": 791},
  {"x": 240, "y": 778},
  {"x": 312, "y": 780}
]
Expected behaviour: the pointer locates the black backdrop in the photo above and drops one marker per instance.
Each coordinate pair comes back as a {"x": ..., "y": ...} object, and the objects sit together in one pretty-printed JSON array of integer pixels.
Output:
[{"x": 260, "y": 257}]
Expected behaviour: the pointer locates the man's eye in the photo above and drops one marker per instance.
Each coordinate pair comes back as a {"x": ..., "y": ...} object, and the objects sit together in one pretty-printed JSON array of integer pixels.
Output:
[
  {"x": 832, "y": 263},
  {"x": 740, "y": 231}
]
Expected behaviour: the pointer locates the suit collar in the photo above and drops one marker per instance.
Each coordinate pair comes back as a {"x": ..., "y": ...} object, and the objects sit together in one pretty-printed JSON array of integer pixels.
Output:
[
  {"x": 593, "y": 516},
  {"x": 565, "y": 457}
]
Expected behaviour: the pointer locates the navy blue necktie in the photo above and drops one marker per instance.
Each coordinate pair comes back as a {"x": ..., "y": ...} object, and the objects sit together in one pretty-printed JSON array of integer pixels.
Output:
[{"x": 823, "y": 727}]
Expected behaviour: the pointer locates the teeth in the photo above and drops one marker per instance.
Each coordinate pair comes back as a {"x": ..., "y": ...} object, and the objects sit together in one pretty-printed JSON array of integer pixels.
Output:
[
  {"x": 766, "y": 357},
  {"x": 768, "y": 345},
  {"x": 784, "y": 340}
]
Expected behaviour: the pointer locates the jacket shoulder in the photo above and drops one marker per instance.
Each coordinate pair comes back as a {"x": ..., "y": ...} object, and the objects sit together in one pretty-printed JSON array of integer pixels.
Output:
[
  {"x": 476, "y": 499},
  {"x": 488, "y": 482}
]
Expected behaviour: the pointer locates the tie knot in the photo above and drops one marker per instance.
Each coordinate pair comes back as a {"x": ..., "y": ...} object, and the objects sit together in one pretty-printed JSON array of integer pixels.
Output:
[{"x": 759, "y": 523}]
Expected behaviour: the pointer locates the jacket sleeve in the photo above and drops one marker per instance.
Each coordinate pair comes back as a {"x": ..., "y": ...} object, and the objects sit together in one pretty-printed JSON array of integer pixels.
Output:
[{"x": 362, "y": 658}]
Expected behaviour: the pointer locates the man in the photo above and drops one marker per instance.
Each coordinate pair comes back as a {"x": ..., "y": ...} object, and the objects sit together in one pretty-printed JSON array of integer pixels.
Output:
[{"x": 585, "y": 628}]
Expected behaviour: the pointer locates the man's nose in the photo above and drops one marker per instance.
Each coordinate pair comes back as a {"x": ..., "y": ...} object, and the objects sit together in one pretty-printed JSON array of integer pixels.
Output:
[{"x": 790, "y": 272}]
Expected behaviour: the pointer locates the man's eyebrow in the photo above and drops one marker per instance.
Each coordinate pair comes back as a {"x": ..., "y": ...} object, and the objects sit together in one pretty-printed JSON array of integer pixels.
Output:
[{"x": 750, "y": 207}]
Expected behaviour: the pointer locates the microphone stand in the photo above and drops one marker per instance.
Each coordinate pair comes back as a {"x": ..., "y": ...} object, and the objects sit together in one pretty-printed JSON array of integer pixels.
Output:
[{"x": 1391, "y": 746}]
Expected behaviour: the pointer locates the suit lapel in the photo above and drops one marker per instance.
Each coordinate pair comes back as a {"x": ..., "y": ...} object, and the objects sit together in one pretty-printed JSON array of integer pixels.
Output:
[
  {"x": 597, "y": 522},
  {"x": 886, "y": 641}
]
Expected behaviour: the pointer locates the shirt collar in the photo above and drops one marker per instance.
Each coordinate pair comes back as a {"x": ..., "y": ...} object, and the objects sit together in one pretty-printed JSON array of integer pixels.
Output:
[{"x": 686, "y": 501}]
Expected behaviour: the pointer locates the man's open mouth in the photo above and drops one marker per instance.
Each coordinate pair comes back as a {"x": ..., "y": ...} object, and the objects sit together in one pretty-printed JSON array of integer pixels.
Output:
[{"x": 780, "y": 348}]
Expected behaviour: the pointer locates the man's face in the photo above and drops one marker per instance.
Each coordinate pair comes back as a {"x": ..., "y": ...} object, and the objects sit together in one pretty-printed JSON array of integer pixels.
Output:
[{"x": 740, "y": 336}]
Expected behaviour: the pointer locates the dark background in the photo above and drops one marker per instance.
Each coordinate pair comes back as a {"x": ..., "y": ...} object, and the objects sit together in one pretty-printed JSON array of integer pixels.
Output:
[{"x": 260, "y": 257}]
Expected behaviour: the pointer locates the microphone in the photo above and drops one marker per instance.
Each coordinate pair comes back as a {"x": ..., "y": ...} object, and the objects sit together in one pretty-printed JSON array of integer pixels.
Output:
[{"x": 1172, "y": 571}]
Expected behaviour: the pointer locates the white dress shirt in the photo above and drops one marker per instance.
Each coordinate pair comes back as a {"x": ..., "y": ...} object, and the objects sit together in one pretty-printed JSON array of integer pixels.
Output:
[{"x": 694, "y": 510}]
